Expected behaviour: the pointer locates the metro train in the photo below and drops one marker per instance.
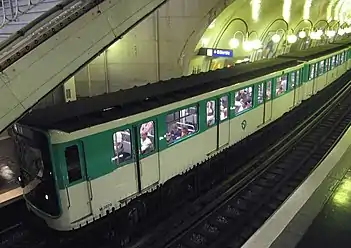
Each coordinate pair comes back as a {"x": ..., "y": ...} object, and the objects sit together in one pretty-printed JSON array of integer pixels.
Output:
[{"x": 83, "y": 160}]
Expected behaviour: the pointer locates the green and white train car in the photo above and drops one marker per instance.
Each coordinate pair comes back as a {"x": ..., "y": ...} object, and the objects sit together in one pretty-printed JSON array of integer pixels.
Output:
[{"x": 86, "y": 159}]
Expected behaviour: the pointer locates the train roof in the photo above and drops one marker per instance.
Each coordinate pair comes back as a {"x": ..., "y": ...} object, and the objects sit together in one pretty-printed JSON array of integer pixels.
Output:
[
  {"x": 316, "y": 52},
  {"x": 87, "y": 112}
]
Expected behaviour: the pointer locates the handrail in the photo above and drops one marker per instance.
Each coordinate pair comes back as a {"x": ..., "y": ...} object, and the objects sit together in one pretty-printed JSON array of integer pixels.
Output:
[
  {"x": 3, "y": 12},
  {"x": 29, "y": 38},
  {"x": 13, "y": 6},
  {"x": 20, "y": 33},
  {"x": 42, "y": 28}
]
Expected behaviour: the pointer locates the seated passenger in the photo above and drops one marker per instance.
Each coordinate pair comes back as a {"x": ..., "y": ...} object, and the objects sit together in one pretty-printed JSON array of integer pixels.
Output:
[
  {"x": 146, "y": 144},
  {"x": 268, "y": 94},
  {"x": 147, "y": 128},
  {"x": 224, "y": 112},
  {"x": 185, "y": 131},
  {"x": 238, "y": 106},
  {"x": 175, "y": 132},
  {"x": 118, "y": 143},
  {"x": 118, "y": 147},
  {"x": 280, "y": 90},
  {"x": 210, "y": 114},
  {"x": 169, "y": 138}
]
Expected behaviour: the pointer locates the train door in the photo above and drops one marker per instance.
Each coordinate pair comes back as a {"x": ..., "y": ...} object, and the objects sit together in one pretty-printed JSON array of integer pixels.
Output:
[
  {"x": 223, "y": 121},
  {"x": 292, "y": 86},
  {"x": 146, "y": 152},
  {"x": 298, "y": 94},
  {"x": 268, "y": 102},
  {"x": 78, "y": 187},
  {"x": 212, "y": 123}
]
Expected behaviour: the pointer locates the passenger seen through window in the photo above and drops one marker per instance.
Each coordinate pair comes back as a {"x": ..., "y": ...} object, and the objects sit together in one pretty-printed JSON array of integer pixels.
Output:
[
  {"x": 243, "y": 100},
  {"x": 211, "y": 113},
  {"x": 147, "y": 137},
  {"x": 311, "y": 76},
  {"x": 148, "y": 128},
  {"x": 260, "y": 93},
  {"x": 224, "y": 108},
  {"x": 281, "y": 85},
  {"x": 122, "y": 146},
  {"x": 297, "y": 78},
  {"x": 268, "y": 90},
  {"x": 181, "y": 124},
  {"x": 321, "y": 68}
]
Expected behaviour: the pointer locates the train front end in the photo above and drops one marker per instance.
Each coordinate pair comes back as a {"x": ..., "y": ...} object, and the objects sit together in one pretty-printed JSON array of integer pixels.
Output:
[{"x": 37, "y": 173}]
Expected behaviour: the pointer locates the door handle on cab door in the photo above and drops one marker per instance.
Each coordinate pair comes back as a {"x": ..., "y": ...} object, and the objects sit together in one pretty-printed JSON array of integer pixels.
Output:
[
  {"x": 90, "y": 189},
  {"x": 68, "y": 199}
]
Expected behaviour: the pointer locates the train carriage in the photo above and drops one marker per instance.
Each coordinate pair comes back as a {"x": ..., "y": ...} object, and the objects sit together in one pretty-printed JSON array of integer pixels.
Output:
[
  {"x": 85, "y": 159},
  {"x": 322, "y": 67}
]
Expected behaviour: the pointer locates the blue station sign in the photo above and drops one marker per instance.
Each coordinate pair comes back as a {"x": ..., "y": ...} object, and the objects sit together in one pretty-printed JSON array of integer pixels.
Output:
[{"x": 216, "y": 52}]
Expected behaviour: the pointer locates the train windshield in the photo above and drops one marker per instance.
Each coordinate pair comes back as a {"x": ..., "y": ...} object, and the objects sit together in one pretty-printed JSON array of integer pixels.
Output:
[{"x": 36, "y": 171}]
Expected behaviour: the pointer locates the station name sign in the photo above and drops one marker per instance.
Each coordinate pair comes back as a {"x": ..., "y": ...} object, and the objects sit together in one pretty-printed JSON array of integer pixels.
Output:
[{"x": 215, "y": 52}]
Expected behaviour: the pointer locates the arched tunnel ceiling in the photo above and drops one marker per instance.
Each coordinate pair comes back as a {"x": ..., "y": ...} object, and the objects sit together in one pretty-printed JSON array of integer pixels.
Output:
[
  {"x": 259, "y": 14},
  {"x": 165, "y": 44}
]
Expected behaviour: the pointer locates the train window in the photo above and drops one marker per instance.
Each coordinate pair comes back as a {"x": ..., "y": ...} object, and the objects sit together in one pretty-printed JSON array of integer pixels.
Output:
[
  {"x": 211, "y": 113},
  {"x": 342, "y": 58},
  {"x": 260, "y": 88},
  {"x": 73, "y": 164},
  {"x": 292, "y": 80},
  {"x": 122, "y": 146},
  {"x": 297, "y": 78},
  {"x": 223, "y": 108},
  {"x": 147, "y": 137},
  {"x": 243, "y": 100},
  {"x": 181, "y": 124},
  {"x": 281, "y": 85},
  {"x": 327, "y": 62},
  {"x": 332, "y": 64},
  {"x": 268, "y": 90},
  {"x": 321, "y": 68},
  {"x": 312, "y": 67},
  {"x": 337, "y": 60}
]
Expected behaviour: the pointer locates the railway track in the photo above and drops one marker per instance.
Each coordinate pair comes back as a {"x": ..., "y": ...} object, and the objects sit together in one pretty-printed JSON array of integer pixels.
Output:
[
  {"x": 235, "y": 215},
  {"x": 19, "y": 235}
]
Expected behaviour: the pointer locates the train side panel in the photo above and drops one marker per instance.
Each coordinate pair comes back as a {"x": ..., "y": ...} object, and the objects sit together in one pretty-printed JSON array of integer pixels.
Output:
[{"x": 111, "y": 186}]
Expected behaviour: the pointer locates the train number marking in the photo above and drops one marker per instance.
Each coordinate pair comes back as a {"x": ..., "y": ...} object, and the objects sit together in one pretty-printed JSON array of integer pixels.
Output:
[{"x": 243, "y": 124}]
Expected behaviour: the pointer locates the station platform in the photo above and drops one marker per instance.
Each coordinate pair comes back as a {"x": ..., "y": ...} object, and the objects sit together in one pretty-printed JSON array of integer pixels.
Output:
[
  {"x": 9, "y": 188},
  {"x": 332, "y": 226},
  {"x": 318, "y": 213}
]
